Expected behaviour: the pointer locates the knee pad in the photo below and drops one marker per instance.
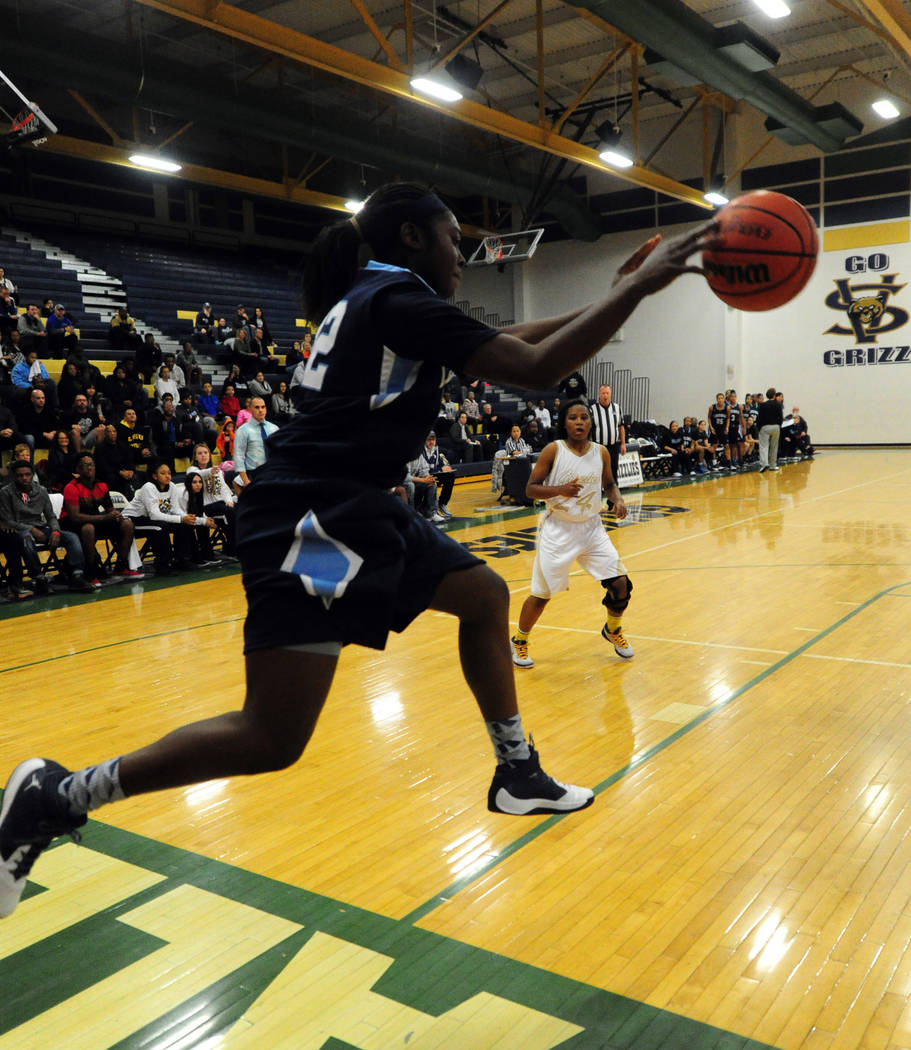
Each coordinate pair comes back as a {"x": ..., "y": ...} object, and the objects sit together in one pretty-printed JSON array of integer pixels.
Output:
[{"x": 617, "y": 592}]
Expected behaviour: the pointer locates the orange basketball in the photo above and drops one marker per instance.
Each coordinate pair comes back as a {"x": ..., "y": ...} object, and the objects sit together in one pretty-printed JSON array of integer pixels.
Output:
[{"x": 767, "y": 254}]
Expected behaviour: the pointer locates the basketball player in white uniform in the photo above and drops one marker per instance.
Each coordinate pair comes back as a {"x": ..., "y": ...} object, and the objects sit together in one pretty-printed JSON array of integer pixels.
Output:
[{"x": 572, "y": 475}]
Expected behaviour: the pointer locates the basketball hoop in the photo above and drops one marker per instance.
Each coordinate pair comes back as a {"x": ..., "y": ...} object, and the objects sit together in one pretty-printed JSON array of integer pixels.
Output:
[
  {"x": 497, "y": 249},
  {"x": 25, "y": 127},
  {"x": 493, "y": 250}
]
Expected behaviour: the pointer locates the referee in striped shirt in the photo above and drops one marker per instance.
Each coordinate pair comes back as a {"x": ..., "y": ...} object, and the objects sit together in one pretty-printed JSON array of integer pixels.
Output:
[{"x": 607, "y": 426}]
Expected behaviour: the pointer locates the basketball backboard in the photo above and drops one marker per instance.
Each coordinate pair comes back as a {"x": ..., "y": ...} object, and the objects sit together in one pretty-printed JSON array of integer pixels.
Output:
[
  {"x": 505, "y": 248},
  {"x": 27, "y": 122}
]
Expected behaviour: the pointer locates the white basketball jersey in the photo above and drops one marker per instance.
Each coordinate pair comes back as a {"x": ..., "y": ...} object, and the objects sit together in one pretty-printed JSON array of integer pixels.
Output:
[{"x": 587, "y": 470}]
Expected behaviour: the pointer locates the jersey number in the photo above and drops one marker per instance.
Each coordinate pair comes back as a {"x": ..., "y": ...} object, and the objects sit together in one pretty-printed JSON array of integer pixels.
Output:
[{"x": 315, "y": 372}]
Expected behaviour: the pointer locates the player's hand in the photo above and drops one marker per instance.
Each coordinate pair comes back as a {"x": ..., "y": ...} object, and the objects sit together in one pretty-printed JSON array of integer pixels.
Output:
[
  {"x": 619, "y": 510},
  {"x": 638, "y": 257},
  {"x": 666, "y": 261},
  {"x": 571, "y": 489}
]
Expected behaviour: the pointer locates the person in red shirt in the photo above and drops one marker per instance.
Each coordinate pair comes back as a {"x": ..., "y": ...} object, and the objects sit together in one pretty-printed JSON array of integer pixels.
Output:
[
  {"x": 229, "y": 403},
  {"x": 88, "y": 508}
]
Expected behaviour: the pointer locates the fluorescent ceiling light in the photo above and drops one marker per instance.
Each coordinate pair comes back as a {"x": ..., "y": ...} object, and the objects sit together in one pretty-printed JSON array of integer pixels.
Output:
[
  {"x": 886, "y": 109},
  {"x": 436, "y": 89},
  {"x": 354, "y": 205},
  {"x": 615, "y": 159},
  {"x": 147, "y": 160},
  {"x": 714, "y": 197},
  {"x": 773, "y": 8}
]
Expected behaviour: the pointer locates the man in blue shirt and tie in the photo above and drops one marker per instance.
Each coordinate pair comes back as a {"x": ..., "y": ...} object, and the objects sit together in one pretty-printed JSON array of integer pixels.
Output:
[{"x": 250, "y": 443}]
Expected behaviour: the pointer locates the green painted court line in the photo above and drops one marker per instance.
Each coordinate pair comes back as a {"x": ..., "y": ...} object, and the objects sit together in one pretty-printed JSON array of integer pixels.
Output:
[
  {"x": 113, "y": 645},
  {"x": 635, "y": 763}
]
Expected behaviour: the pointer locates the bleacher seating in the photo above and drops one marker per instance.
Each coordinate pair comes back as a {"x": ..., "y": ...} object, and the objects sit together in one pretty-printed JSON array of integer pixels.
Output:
[{"x": 166, "y": 283}]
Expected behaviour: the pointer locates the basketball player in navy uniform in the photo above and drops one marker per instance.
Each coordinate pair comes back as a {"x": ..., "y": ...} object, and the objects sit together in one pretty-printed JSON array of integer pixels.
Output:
[
  {"x": 571, "y": 476},
  {"x": 329, "y": 556},
  {"x": 718, "y": 423}
]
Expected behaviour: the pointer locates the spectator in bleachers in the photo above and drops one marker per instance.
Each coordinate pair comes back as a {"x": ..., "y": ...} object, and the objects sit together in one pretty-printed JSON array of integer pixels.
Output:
[
  {"x": 122, "y": 334},
  {"x": 193, "y": 421},
  {"x": 169, "y": 439},
  {"x": 9, "y": 315},
  {"x": 261, "y": 348},
  {"x": 30, "y": 374},
  {"x": 148, "y": 358},
  {"x": 204, "y": 325},
  {"x": 9, "y": 429},
  {"x": 61, "y": 332},
  {"x": 229, "y": 405},
  {"x": 259, "y": 321},
  {"x": 208, "y": 401},
  {"x": 27, "y": 518},
  {"x": 32, "y": 333},
  {"x": 448, "y": 407},
  {"x": 470, "y": 406},
  {"x": 114, "y": 462},
  {"x": 158, "y": 503},
  {"x": 235, "y": 379},
  {"x": 189, "y": 363},
  {"x": 83, "y": 423},
  {"x": 466, "y": 447},
  {"x": 135, "y": 436},
  {"x": 37, "y": 421},
  {"x": 217, "y": 493},
  {"x": 259, "y": 386},
  {"x": 242, "y": 353},
  {"x": 282, "y": 409},
  {"x": 573, "y": 386},
  {"x": 225, "y": 445},
  {"x": 69, "y": 386},
  {"x": 120, "y": 391},
  {"x": 10, "y": 356},
  {"x": 47, "y": 308},
  {"x": 534, "y": 436},
  {"x": 177, "y": 373},
  {"x": 21, "y": 452},
  {"x": 295, "y": 356},
  {"x": 542, "y": 414},
  {"x": 89, "y": 511},
  {"x": 164, "y": 384},
  {"x": 61, "y": 462},
  {"x": 528, "y": 413},
  {"x": 494, "y": 427},
  {"x": 6, "y": 283},
  {"x": 222, "y": 332},
  {"x": 241, "y": 322},
  {"x": 192, "y": 501}
]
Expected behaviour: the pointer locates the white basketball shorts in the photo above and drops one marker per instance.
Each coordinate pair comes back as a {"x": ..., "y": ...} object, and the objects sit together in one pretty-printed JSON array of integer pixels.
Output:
[{"x": 562, "y": 542}]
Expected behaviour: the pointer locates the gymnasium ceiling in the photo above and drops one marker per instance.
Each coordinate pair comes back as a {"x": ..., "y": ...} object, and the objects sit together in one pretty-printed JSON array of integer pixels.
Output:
[{"x": 309, "y": 100}]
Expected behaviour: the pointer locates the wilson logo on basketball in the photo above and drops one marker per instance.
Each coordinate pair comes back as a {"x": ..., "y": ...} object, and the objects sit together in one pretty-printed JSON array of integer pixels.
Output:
[
  {"x": 738, "y": 274},
  {"x": 867, "y": 307}
]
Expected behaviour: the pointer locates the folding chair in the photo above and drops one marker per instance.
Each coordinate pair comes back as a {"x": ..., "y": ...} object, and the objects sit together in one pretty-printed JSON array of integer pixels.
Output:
[{"x": 140, "y": 532}]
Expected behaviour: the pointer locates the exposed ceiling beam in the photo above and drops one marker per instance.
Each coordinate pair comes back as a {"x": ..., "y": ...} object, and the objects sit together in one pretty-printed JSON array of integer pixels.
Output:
[
  {"x": 228, "y": 180},
  {"x": 391, "y": 57},
  {"x": 893, "y": 17},
  {"x": 260, "y": 32},
  {"x": 96, "y": 116}
]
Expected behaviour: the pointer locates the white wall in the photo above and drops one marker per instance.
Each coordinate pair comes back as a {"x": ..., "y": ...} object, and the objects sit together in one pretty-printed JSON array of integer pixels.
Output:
[{"x": 690, "y": 344}]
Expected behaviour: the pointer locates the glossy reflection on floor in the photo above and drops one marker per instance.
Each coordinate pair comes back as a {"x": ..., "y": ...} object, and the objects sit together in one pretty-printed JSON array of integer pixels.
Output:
[{"x": 744, "y": 866}]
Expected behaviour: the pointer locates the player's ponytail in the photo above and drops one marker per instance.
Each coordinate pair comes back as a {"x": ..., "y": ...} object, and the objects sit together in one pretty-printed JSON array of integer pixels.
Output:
[{"x": 336, "y": 256}]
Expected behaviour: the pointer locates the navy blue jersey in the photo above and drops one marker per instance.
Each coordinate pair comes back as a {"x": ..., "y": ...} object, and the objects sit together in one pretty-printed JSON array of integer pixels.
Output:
[{"x": 371, "y": 388}]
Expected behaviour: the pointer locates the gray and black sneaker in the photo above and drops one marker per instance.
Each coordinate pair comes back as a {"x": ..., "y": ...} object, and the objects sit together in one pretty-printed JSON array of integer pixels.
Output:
[
  {"x": 33, "y": 814},
  {"x": 521, "y": 787}
]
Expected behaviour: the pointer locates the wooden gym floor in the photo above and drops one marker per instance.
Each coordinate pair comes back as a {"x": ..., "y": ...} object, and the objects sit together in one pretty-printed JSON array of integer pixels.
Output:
[{"x": 742, "y": 879}]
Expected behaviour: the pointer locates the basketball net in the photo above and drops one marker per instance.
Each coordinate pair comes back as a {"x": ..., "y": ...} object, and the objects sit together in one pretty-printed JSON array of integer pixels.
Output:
[{"x": 493, "y": 249}]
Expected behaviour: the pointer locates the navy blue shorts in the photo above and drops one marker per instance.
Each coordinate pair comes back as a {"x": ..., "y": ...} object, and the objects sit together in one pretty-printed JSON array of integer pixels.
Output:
[{"x": 331, "y": 560}]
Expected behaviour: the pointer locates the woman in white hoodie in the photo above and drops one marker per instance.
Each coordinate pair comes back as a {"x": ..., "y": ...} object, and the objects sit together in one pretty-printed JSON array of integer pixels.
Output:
[{"x": 158, "y": 503}]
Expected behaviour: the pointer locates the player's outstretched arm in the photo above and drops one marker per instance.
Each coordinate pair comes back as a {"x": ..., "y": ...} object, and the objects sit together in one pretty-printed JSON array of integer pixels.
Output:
[{"x": 572, "y": 339}]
